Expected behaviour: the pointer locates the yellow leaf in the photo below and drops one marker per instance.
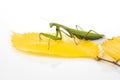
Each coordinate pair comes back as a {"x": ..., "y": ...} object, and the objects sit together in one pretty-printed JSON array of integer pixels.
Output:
[
  {"x": 65, "y": 48},
  {"x": 112, "y": 47}
]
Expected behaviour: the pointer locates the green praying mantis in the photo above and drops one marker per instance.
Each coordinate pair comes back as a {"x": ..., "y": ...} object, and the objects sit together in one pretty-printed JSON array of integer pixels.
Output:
[{"x": 72, "y": 33}]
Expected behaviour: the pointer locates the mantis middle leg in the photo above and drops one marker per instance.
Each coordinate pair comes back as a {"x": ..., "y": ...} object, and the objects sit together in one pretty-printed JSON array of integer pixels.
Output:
[
  {"x": 70, "y": 35},
  {"x": 78, "y": 27}
]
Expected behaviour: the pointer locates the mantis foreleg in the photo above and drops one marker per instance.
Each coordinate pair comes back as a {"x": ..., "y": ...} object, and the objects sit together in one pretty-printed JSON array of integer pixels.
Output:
[{"x": 58, "y": 36}]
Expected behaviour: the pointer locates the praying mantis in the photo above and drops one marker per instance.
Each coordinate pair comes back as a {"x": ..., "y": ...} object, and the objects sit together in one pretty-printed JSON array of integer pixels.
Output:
[{"x": 72, "y": 33}]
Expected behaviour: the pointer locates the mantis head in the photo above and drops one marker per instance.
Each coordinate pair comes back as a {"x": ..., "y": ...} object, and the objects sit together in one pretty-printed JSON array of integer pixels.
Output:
[
  {"x": 51, "y": 25},
  {"x": 54, "y": 24}
]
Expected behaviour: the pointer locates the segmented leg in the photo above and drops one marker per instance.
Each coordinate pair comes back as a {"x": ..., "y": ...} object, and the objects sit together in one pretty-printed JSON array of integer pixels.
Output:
[
  {"x": 71, "y": 36},
  {"x": 89, "y": 32},
  {"x": 75, "y": 41},
  {"x": 58, "y": 36},
  {"x": 78, "y": 27}
]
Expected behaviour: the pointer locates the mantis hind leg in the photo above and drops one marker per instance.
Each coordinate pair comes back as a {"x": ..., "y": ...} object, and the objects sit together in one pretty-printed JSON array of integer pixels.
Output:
[{"x": 85, "y": 37}]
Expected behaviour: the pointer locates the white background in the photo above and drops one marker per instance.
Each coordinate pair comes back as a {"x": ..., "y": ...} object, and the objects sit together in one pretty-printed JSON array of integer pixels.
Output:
[{"x": 21, "y": 16}]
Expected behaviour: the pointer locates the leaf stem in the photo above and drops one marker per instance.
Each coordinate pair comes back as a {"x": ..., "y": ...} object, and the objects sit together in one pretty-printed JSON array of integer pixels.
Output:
[{"x": 113, "y": 62}]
